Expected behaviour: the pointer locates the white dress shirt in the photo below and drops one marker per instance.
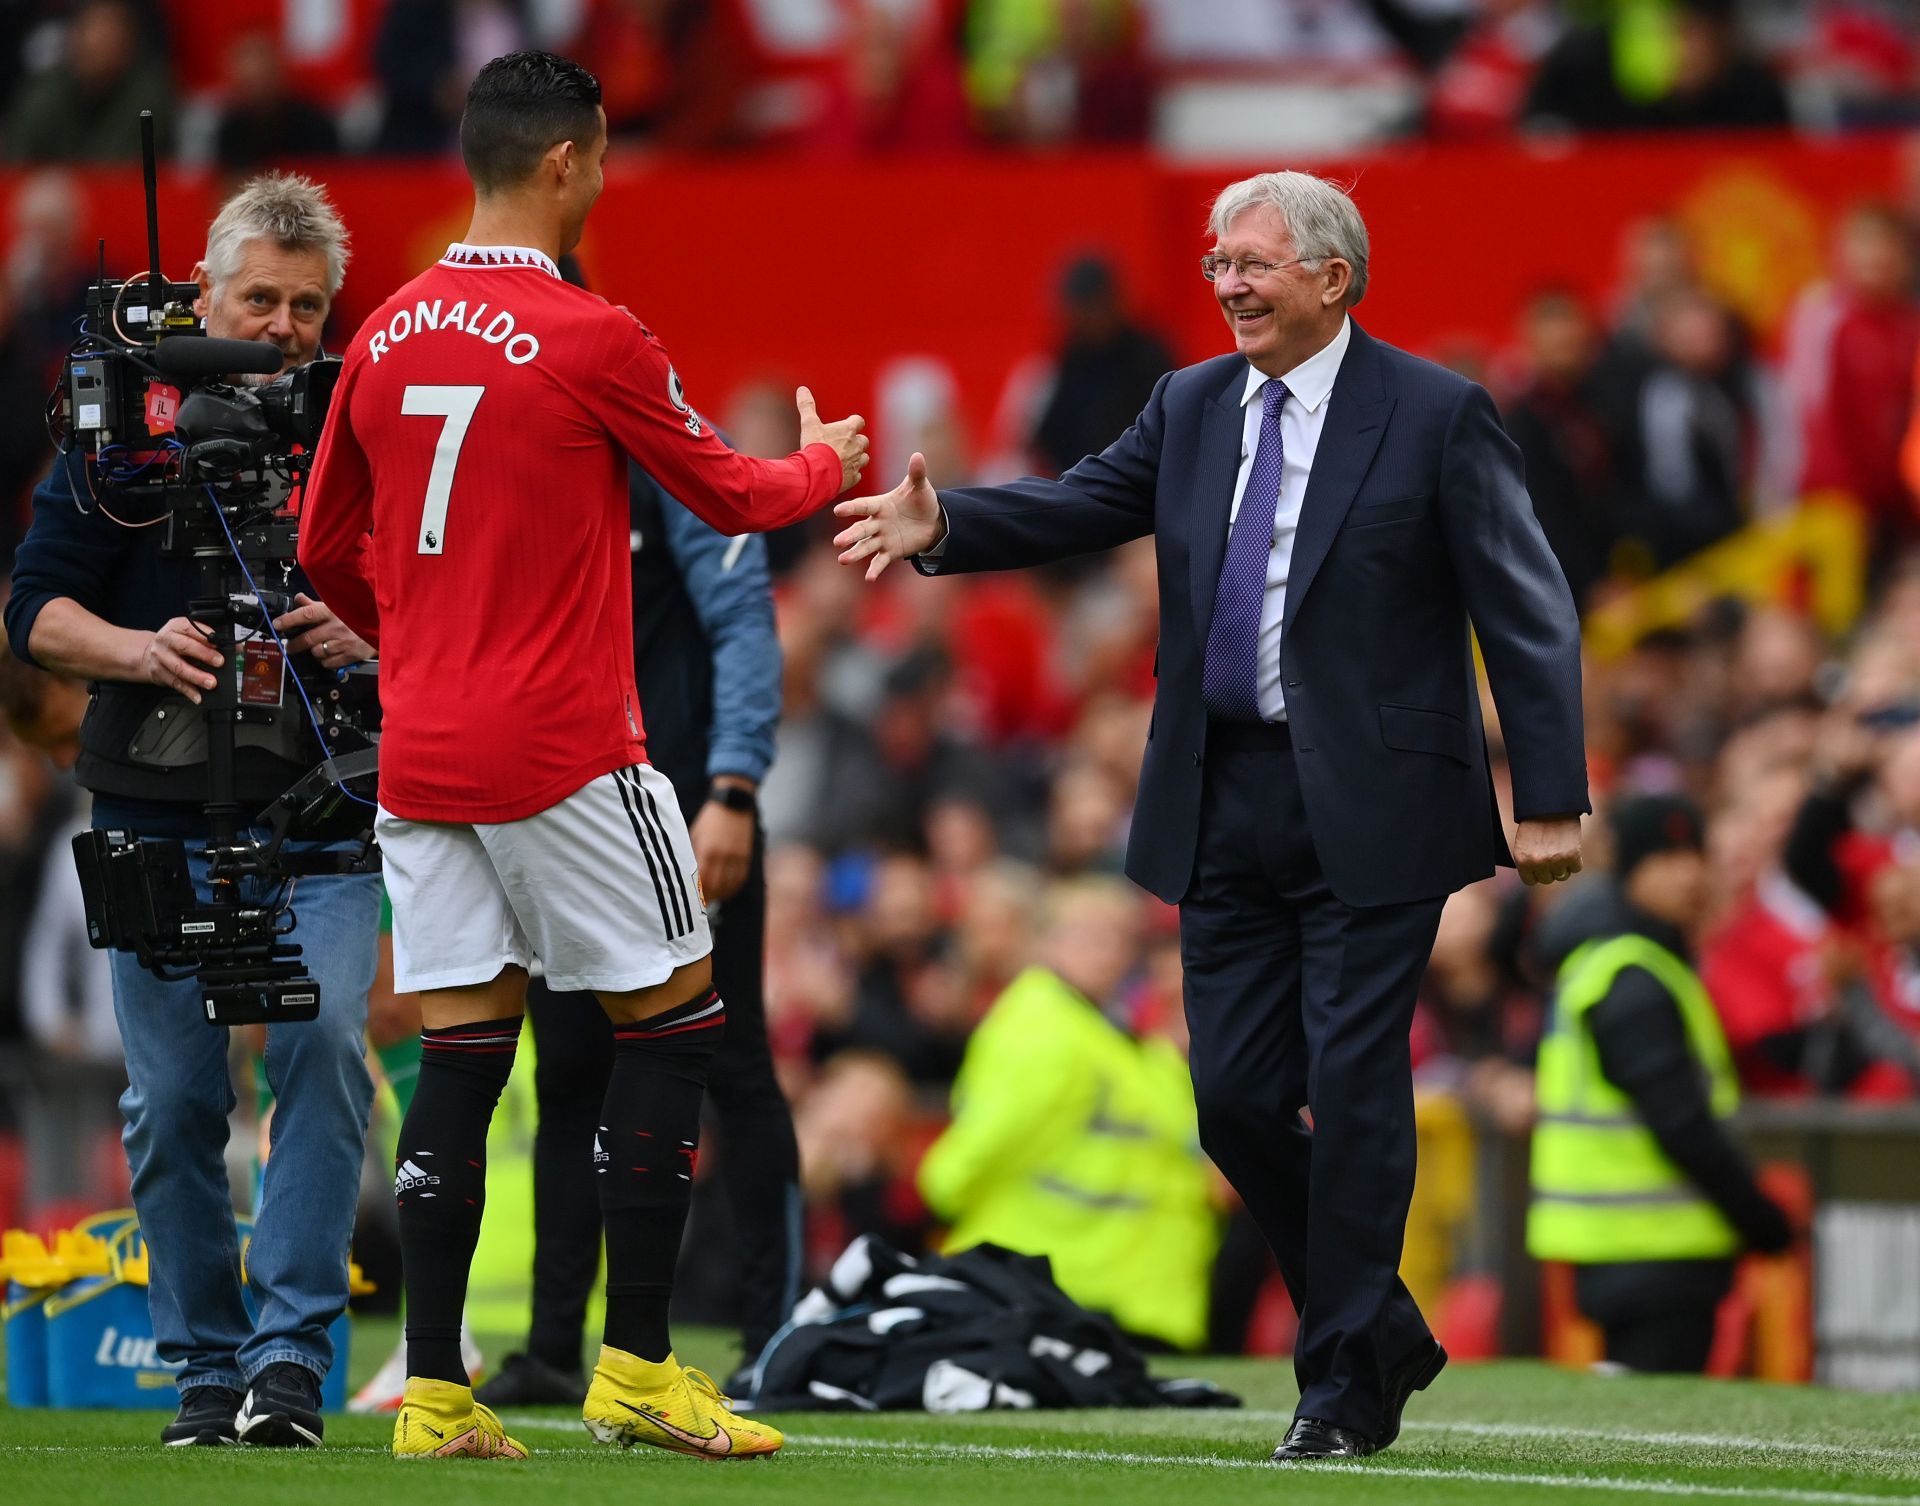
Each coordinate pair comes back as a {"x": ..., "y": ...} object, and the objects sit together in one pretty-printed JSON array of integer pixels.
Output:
[{"x": 1302, "y": 417}]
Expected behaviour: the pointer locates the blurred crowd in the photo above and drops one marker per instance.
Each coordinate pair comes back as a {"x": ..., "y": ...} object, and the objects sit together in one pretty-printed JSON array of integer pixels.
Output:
[
  {"x": 955, "y": 750},
  {"x": 245, "y": 82},
  {"x": 958, "y": 757}
]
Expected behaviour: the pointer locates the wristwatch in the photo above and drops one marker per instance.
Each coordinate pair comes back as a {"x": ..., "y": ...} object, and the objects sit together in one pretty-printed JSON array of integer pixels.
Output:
[{"x": 733, "y": 797}]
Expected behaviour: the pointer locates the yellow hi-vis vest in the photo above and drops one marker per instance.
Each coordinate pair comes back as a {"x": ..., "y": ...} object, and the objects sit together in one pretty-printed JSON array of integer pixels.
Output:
[
  {"x": 1072, "y": 1140},
  {"x": 1603, "y": 1190}
]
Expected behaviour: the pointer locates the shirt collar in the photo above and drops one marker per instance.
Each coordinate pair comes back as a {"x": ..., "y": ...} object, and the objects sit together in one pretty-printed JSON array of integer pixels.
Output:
[
  {"x": 1311, "y": 381},
  {"x": 461, "y": 255}
]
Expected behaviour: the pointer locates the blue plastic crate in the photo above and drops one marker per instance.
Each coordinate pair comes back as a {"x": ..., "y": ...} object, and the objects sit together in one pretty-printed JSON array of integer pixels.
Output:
[
  {"x": 25, "y": 1318},
  {"x": 100, "y": 1348},
  {"x": 90, "y": 1343}
]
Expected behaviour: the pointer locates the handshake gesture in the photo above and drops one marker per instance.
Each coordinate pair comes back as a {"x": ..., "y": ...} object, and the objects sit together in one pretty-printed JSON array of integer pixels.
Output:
[
  {"x": 846, "y": 438},
  {"x": 906, "y": 521}
]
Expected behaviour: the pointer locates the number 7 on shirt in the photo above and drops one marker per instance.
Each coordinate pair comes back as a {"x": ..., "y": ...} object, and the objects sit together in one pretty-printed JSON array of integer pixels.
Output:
[{"x": 456, "y": 405}]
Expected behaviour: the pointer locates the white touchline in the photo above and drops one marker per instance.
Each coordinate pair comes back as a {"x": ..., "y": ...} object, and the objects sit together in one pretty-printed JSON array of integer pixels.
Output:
[
  {"x": 1621, "y": 1435},
  {"x": 1404, "y": 1472},
  {"x": 1896, "y": 1455},
  {"x": 1636, "y": 1487},
  {"x": 1624, "y": 1485},
  {"x": 1669, "y": 1440},
  {"x": 1018, "y": 1451}
]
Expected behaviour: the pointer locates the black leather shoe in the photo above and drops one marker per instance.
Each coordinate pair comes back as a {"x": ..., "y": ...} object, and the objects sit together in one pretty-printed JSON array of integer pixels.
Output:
[
  {"x": 1415, "y": 1373},
  {"x": 205, "y": 1417},
  {"x": 282, "y": 1409},
  {"x": 1310, "y": 1438},
  {"x": 523, "y": 1381}
]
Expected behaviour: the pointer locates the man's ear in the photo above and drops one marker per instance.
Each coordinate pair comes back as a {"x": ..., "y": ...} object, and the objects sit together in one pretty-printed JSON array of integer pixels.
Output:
[
  {"x": 1340, "y": 284},
  {"x": 205, "y": 300},
  {"x": 565, "y": 158}
]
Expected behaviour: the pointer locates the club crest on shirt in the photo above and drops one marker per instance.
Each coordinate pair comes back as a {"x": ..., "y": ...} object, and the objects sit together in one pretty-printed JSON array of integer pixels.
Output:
[{"x": 677, "y": 395}]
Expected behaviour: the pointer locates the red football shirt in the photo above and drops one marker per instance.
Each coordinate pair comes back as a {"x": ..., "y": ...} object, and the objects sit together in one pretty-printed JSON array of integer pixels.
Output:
[{"x": 467, "y": 514}]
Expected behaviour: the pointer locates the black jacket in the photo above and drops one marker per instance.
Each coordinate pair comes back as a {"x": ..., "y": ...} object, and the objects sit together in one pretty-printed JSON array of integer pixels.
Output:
[
  {"x": 1644, "y": 1052},
  {"x": 117, "y": 573}
]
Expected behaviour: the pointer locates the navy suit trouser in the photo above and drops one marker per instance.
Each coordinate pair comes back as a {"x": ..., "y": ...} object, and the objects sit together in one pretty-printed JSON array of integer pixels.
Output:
[{"x": 1296, "y": 1000}]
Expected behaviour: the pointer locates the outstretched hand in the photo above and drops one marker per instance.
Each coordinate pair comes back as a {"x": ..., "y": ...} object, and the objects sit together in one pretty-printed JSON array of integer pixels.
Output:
[
  {"x": 904, "y": 522},
  {"x": 845, "y": 437}
]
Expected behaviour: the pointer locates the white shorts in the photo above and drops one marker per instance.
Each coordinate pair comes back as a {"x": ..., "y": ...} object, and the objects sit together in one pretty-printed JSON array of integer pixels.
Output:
[{"x": 601, "y": 889}]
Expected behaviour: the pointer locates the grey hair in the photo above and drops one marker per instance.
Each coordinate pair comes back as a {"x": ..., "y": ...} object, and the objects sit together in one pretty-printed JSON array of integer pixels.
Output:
[
  {"x": 1321, "y": 218},
  {"x": 292, "y": 212}
]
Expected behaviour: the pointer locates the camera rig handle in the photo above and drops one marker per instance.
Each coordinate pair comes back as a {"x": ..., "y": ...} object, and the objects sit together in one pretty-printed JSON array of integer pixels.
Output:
[{"x": 317, "y": 795}]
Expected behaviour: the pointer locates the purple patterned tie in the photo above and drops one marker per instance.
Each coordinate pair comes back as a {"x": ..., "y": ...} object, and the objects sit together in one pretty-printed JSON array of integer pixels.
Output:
[{"x": 1230, "y": 674}]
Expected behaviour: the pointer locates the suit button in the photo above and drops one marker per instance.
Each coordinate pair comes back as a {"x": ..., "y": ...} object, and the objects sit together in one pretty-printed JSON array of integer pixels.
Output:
[
  {"x": 1293, "y": 684},
  {"x": 1196, "y": 760}
]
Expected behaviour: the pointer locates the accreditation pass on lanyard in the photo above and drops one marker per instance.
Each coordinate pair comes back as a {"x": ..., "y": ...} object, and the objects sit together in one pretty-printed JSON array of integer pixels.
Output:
[{"x": 263, "y": 673}]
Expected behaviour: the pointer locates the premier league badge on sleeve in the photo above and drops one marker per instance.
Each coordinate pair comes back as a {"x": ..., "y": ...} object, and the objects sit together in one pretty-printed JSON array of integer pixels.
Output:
[{"x": 677, "y": 395}]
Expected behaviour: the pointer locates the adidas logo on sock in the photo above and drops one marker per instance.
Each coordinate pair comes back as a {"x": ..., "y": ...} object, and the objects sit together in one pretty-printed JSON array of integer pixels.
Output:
[{"x": 410, "y": 1176}]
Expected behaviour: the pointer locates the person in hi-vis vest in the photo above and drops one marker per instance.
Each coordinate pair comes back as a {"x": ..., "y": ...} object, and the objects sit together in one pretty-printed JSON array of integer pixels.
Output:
[
  {"x": 1636, "y": 1182},
  {"x": 1076, "y": 1139}
]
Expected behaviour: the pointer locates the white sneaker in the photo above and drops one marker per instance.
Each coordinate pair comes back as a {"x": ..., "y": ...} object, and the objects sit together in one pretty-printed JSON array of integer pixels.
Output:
[{"x": 388, "y": 1388}]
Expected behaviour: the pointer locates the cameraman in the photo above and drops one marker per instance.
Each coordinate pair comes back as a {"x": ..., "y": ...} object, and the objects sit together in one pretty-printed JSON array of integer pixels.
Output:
[{"x": 93, "y": 598}]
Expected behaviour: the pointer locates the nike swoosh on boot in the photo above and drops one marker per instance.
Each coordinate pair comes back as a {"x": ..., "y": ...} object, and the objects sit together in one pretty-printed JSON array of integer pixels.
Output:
[{"x": 719, "y": 1445}]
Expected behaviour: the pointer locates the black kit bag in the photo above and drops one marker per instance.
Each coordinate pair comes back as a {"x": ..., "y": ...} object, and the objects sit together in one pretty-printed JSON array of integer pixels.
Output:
[{"x": 982, "y": 1330}]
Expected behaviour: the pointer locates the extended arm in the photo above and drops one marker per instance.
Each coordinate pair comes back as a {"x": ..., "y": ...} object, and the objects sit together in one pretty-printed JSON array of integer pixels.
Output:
[
  {"x": 648, "y": 415},
  {"x": 1103, "y": 501}
]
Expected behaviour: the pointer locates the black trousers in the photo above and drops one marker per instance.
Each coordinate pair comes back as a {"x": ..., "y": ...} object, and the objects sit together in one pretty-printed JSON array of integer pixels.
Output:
[
  {"x": 759, "y": 1165},
  {"x": 1296, "y": 1000},
  {"x": 1658, "y": 1315}
]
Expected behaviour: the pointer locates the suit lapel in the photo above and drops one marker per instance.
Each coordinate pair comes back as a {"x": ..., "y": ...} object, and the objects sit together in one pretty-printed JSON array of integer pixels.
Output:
[
  {"x": 1357, "y": 412},
  {"x": 1222, "y": 431}
]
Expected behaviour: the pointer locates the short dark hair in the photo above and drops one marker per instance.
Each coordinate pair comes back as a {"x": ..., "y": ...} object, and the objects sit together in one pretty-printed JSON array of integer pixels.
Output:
[{"x": 521, "y": 106}]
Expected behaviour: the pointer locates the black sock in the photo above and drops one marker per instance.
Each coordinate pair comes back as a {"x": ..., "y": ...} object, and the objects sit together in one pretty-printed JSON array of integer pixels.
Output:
[
  {"x": 644, "y": 1157},
  {"x": 440, "y": 1183},
  {"x": 573, "y": 1044}
]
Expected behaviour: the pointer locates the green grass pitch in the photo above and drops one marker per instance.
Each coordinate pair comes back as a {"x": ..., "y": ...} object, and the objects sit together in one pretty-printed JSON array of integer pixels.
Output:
[{"x": 1496, "y": 1434}]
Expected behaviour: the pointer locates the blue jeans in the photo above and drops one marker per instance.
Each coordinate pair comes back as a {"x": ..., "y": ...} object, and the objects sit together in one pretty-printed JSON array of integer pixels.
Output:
[{"x": 179, "y": 1097}]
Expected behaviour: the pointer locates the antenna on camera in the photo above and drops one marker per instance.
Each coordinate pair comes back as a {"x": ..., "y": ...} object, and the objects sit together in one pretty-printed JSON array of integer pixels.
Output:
[{"x": 156, "y": 279}]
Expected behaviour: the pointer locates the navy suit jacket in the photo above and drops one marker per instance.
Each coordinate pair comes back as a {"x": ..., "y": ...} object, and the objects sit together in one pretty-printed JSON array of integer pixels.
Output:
[{"x": 1416, "y": 520}]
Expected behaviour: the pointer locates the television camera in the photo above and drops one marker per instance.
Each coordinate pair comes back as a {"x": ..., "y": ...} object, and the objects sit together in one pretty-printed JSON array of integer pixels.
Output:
[{"x": 152, "y": 416}]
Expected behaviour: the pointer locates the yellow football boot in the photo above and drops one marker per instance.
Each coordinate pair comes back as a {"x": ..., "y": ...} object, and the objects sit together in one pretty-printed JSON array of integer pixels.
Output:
[
  {"x": 668, "y": 1406},
  {"x": 439, "y": 1420}
]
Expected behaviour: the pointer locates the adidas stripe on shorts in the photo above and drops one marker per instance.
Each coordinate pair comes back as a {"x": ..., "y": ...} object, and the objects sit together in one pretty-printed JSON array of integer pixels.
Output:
[{"x": 601, "y": 889}]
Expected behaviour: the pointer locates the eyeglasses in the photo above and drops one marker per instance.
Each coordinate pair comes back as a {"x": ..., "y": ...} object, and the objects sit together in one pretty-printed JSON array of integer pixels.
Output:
[{"x": 1213, "y": 268}]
